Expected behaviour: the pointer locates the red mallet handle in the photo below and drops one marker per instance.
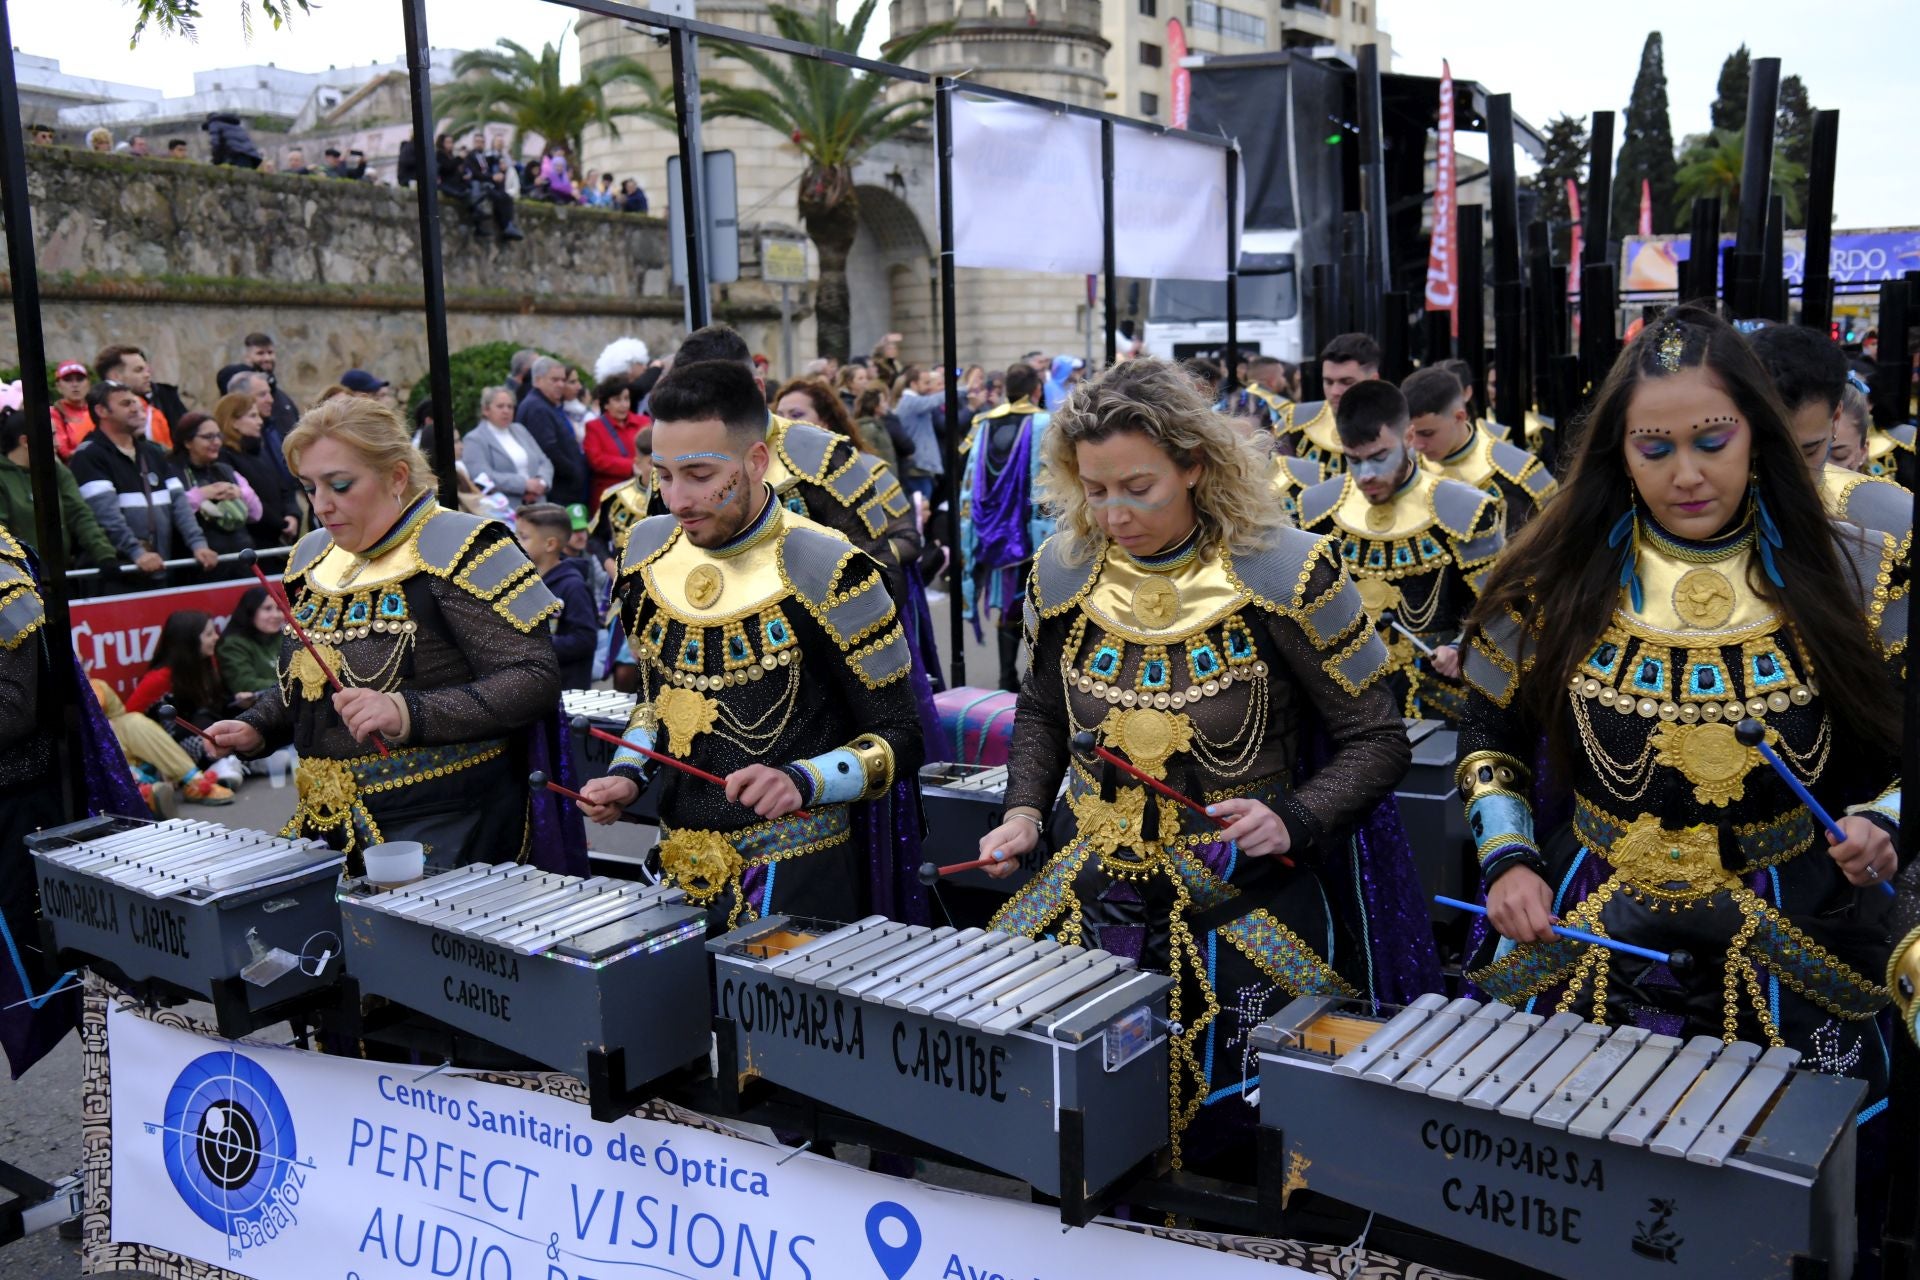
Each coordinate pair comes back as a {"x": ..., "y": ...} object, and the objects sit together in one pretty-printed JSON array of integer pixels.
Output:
[
  {"x": 280, "y": 598},
  {"x": 932, "y": 871},
  {"x": 168, "y": 713},
  {"x": 667, "y": 760},
  {"x": 538, "y": 779},
  {"x": 1167, "y": 791}
]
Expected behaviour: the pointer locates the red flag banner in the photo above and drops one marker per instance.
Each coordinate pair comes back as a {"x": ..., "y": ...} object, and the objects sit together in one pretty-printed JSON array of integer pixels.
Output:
[
  {"x": 1646, "y": 207},
  {"x": 1443, "y": 253},
  {"x": 1180, "y": 78},
  {"x": 1573, "y": 260}
]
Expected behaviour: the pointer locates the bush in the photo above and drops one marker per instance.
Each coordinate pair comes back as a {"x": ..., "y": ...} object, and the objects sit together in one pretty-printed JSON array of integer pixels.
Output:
[
  {"x": 11, "y": 373},
  {"x": 471, "y": 370}
]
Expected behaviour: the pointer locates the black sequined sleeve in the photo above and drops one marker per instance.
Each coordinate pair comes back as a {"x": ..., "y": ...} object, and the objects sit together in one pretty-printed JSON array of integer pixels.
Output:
[
  {"x": 20, "y": 674},
  {"x": 1037, "y": 756},
  {"x": 1370, "y": 750},
  {"x": 515, "y": 681},
  {"x": 874, "y": 673}
]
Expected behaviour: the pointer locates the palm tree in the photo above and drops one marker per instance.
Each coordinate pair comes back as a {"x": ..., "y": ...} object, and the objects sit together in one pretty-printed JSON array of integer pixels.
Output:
[
  {"x": 1712, "y": 165},
  {"x": 180, "y": 17},
  {"x": 833, "y": 114},
  {"x": 509, "y": 85}
]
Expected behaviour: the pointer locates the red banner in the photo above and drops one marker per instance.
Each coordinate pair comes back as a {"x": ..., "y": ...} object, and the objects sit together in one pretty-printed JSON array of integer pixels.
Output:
[
  {"x": 1646, "y": 207},
  {"x": 114, "y": 636},
  {"x": 1573, "y": 258},
  {"x": 1180, "y": 78},
  {"x": 1443, "y": 253}
]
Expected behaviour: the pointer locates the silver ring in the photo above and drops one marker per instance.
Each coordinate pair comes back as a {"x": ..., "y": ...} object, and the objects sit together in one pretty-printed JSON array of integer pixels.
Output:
[{"x": 1873, "y": 872}]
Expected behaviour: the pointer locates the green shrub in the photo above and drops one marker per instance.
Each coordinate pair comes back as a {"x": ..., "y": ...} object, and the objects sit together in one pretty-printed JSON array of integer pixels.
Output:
[
  {"x": 11, "y": 373},
  {"x": 471, "y": 370}
]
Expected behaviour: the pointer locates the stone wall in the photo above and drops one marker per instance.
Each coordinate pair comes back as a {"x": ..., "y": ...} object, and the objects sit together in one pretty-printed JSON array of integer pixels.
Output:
[{"x": 185, "y": 259}]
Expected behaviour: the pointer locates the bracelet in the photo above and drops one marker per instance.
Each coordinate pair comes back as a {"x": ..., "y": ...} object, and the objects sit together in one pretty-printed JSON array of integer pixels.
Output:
[{"x": 1039, "y": 827}]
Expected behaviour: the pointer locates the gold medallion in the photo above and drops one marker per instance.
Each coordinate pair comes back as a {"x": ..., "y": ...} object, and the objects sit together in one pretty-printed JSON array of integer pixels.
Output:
[
  {"x": 1148, "y": 737},
  {"x": 686, "y": 715},
  {"x": 1709, "y": 756},
  {"x": 1156, "y": 602},
  {"x": 1380, "y": 516},
  {"x": 703, "y": 586},
  {"x": 1703, "y": 598},
  {"x": 1377, "y": 595},
  {"x": 703, "y": 863},
  {"x": 1648, "y": 853},
  {"x": 1108, "y": 826},
  {"x": 308, "y": 674}
]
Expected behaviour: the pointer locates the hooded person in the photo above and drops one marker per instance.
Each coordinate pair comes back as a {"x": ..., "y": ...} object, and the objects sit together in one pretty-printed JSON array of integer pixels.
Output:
[{"x": 1061, "y": 376}]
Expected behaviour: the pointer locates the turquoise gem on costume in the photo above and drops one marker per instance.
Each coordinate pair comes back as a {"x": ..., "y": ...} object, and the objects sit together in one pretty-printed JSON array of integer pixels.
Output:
[
  {"x": 796, "y": 504},
  {"x": 1429, "y": 549},
  {"x": 1106, "y": 661},
  {"x": 359, "y": 612},
  {"x": 1239, "y": 645},
  {"x": 776, "y": 633},
  {"x": 1768, "y": 670},
  {"x": 690, "y": 652},
  {"x": 393, "y": 605},
  {"x": 1203, "y": 661},
  {"x": 1376, "y": 556},
  {"x": 1402, "y": 556},
  {"x": 737, "y": 648},
  {"x": 1154, "y": 674},
  {"x": 1351, "y": 551},
  {"x": 1605, "y": 657},
  {"x": 1651, "y": 676},
  {"x": 330, "y": 617},
  {"x": 1706, "y": 679}
]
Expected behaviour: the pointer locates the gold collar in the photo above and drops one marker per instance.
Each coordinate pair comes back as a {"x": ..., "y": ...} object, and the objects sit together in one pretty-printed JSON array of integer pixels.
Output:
[
  {"x": 1473, "y": 463},
  {"x": 701, "y": 589},
  {"x": 1321, "y": 433},
  {"x": 1145, "y": 607},
  {"x": 1698, "y": 603},
  {"x": 1405, "y": 514},
  {"x": 342, "y": 572}
]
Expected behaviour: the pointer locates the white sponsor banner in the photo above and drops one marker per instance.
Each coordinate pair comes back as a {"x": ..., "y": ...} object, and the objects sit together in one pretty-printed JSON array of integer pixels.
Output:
[
  {"x": 1026, "y": 188},
  {"x": 277, "y": 1163},
  {"x": 1169, "y": 207}
]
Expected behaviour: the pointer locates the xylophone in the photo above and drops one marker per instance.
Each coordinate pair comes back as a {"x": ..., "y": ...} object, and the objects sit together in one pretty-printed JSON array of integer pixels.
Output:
[
  {"x": 962, "y": 803},
  {"x": 603, "y": 979},
  {"x": 241, "y": 918},
  {"x": 991, "y": 1047},
  {"x": 606, "y": 709},
  {"x": 1577, "y": 1149}
]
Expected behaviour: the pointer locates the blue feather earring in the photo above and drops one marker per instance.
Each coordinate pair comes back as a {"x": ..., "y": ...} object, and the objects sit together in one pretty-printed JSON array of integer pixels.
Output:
[
  {"x": 1626, "y": 530},
  {"x": 1769, "y": 538}
]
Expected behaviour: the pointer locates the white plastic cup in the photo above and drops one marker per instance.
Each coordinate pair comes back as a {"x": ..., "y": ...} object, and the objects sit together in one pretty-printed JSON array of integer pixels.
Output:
[
  {"x": 277, "y": 767},
  {"x": 396, "y": 862}
]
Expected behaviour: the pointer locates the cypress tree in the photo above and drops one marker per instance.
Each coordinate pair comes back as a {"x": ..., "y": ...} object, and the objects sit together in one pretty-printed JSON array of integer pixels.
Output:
[
  {"x": 1646, "y": 147},
  {"x": 1730, "y": 97}
]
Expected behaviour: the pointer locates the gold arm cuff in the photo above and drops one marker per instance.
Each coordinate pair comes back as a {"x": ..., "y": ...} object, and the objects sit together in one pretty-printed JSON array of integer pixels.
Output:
[
  {"x": 876, "y": 761},
  {"x": 1484, "y": 771},
  {"x": 1903, "y": 975}
]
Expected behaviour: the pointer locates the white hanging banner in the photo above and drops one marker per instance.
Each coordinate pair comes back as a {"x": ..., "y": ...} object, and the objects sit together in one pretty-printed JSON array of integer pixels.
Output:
[
  {"x": 1026, "y": 188},
  {"x": 1169, "y": 206},
  {"x": 273, "y": 1162}
]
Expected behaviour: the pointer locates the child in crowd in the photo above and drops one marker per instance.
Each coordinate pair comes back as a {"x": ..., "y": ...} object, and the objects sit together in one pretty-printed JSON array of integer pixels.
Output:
[{"x": 544, "y": 529}]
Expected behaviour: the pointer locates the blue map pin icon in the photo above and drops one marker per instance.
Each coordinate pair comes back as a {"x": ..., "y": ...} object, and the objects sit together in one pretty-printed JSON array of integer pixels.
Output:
[{"x": 894, "y": 1260}]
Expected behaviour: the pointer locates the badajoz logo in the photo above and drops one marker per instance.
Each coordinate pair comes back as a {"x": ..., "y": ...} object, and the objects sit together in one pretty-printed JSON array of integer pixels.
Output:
[{"x": 230, "y": 1149}]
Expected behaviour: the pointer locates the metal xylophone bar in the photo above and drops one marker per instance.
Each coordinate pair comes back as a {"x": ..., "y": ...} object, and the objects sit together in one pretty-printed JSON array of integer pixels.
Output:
[{"x": 518, "y": 908}]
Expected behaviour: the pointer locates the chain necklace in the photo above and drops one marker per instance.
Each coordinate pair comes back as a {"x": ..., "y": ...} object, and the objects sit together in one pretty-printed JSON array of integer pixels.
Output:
[
  {"x": 1627, "y": 782},
  {"x": 1420, "y": 618}
]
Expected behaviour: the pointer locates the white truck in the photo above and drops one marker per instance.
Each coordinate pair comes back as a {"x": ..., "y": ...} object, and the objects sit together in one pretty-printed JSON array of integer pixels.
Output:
[{"x": 1189, "y": 317}]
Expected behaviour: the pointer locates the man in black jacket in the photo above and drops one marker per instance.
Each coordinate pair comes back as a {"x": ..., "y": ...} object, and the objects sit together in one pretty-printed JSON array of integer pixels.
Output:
[
  {"x": 486, "y": 174},
  {"x": 131, "y": 486},
  {"x": 540, "y": 413}
]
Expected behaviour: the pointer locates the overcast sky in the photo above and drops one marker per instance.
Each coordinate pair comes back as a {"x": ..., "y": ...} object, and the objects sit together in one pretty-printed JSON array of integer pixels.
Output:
[{"x": 1553, "y": 55}]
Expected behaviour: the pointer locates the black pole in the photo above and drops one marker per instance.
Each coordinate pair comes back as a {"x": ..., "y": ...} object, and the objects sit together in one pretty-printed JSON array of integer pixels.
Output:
[
  {"x": 1472, "y": 340},
  {"x": 1596, "y": 232},
  {"x": 1436, "y": 333},
  {"x": 1700, "y": 282},
  {"x": 1816, "y": 289},
  {"x": 1542, "y": 303},
  {"x": 1323, "y": 295},
  {"x": 1109, "y": 275},
  {"x": 432, "y": 268},
  {"x": 1756, "y": 182},
  {"x": 1509, "y": 314},
  {"x": 693, "y": 189},
  {"x": 1378, "y": 277},
  {"x": 1599, "y": 314},
  {"x": 1353, "y": 304},
  {"x": 1232, "y": 352},
  {"x": 1395, "y": 340},
  {"x": 1772, "y": 293},
  {"x": 41, "y": 463},
  {"x": 1891, "y": 379},
  {"x": 950, "y": 356}
]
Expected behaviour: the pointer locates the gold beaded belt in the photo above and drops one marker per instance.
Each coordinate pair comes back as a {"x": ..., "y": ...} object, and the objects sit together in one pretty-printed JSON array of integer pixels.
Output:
[
  {"x": 1645, "y": 852},
  {"x": 332, "y": 791},
  {"x": 705, "y": 864}
]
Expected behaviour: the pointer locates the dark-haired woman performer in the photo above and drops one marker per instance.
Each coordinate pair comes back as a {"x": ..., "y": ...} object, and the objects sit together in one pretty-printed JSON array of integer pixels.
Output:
[{"x": 1723, "y": 593}]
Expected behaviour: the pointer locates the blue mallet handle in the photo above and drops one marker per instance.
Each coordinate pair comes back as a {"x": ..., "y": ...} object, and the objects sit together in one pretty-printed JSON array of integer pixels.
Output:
[
  {"x": 1578, "y": 935},
  {"x": 1756, "y": 737}
]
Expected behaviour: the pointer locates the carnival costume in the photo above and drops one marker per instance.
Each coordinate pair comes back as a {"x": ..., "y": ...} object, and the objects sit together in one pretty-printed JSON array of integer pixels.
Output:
[
  {"x": 1682, "y": 837},
  {"x": 1291, "y": 477},
  {"x": 32, "y": 1018},
  {"x": 621, "y": 507},
  {"x": 1504, "y": 470},
  {"x": 784, "y": 648},
  {"x": 1423, "y": 555},
  {"x": 1307, "y": 431},
  {"x": 1001, "y": 526},
  {"x": 1890, "y": 454},
  {"x": 446, "y": 612},
  {"x": 1871, "y": 502},
  {"x": 1224, "y": 675}
]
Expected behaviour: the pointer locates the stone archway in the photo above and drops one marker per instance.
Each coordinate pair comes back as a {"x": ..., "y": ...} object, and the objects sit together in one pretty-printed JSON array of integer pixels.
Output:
[{"x": 889, "y": 273}]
